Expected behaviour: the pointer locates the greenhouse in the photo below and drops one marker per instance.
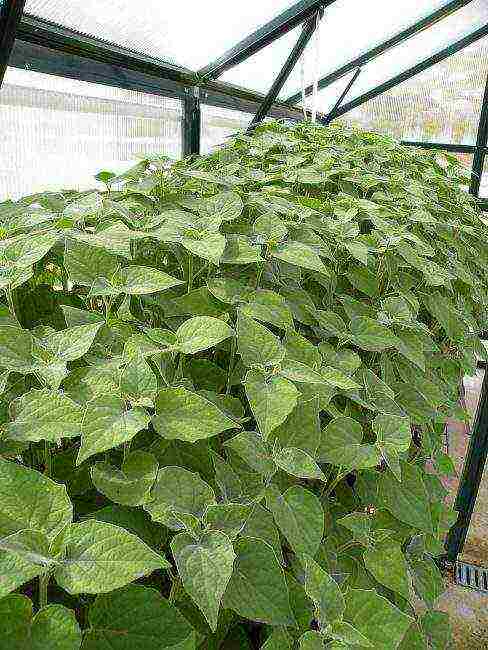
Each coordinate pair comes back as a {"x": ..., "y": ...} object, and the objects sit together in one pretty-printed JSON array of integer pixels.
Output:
[{"x": 243, "y": 325}]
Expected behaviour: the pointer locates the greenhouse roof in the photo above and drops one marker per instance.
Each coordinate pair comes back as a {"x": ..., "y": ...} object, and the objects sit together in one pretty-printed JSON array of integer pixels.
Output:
[
  {"x": 245, "y": 45},
  {"x": 260, "y": 58}
]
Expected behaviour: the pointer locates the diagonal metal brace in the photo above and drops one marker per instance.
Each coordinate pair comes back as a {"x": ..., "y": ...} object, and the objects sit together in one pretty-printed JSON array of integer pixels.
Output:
[{"x": 297, "y": 51}]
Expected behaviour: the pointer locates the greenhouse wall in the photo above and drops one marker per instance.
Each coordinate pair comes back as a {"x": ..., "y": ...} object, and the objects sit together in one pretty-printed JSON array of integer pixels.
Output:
[{"x": 58, "y": 133}]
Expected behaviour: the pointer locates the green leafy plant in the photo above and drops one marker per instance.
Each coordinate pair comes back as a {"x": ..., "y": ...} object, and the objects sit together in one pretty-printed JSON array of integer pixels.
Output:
[{"x": 225, "y": 383}]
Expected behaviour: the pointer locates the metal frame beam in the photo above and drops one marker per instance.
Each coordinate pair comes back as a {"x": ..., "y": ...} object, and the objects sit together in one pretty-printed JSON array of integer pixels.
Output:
[
  {"x": 298, "y": 49},
  {"x": 44, "y": 47},
  {"x": 474, "y": 465},
  {"x": 10, "y": 14},
  {"x": 263, "y": 36},
  {"x": 441, "y": 146},
  {"x": 398, "y": 38},
  {"x": 416, "y": 69},
  {"x": 342, "y": 96},
  {"x": 481, "y": 141},
  {"x": 191, "y": 122}
]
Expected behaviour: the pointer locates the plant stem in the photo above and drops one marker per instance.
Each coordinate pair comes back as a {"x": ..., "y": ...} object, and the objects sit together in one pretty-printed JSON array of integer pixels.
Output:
[
  {"x": 47, "y": 459},
  {"x": 126, "y": 450},
  {"x": 335, "y": 482},
  {"x": 175, "y": 587},
  {"x": 231, "y": 365},
  {"x": 10, "y": 303},
  {"x": 190, "y": 273},
  {"x": 43, "y": 583}
]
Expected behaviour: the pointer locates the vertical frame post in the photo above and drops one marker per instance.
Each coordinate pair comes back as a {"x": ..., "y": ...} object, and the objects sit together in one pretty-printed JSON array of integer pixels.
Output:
[
  {"x": 480, "y": 153},
  {"x": 191, "y": 122},
  {"x": 469, "y": 484},
  {"x": 10, "y": 14},
  {"x": 302, "y": 42}
]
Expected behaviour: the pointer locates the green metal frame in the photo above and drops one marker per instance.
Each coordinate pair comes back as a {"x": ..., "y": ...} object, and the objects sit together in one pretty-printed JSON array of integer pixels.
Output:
[
  {"x": 263, "y": 36},
  {"x": 298, "y": 49},
  {"x": 481, "y": 141},
  {"x": 10, "y": 14},
  {"x": 371, "y": 54}
]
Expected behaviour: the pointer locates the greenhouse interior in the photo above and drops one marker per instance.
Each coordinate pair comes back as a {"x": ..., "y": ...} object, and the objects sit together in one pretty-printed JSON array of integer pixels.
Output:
[{"x": 243, "y": 325}]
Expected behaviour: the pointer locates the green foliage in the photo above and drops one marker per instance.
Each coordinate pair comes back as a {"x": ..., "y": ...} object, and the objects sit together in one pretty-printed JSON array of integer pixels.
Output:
[{"x": 228, "y": 378}]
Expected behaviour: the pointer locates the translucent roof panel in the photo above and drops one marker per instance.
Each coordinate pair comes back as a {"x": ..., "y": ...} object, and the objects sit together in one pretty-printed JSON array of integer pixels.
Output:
[
  {"x": 327, "y": 98},
  {"x": 260, "y": 70},
  {"x": 404, "y": 56},
  {"x": 441, "y": 104},
  {"x": 189, "y": 33}
]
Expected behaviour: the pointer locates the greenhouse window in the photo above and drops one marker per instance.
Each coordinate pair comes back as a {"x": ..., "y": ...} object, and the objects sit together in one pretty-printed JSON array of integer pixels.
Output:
[
  {"x": 218, "y": 124},
  {"x": 441, "y": 104},
  {"x": 46, "y": 121}
]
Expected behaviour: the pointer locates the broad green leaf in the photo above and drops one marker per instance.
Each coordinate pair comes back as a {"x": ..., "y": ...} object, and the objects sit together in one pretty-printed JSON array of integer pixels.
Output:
[
  {"x": 256, "y": 344},
  {"x": 331, "y": 323},
  {"x": 300, "y": 255},
  {"x": 226, "y": 205},
  {"x": 383, "y": 624},
  {"x": 115, "y": 239},
  {"x": 260, "y": 525},
  {"x": 301, "y": 429},
  {"x": 270, "y": 227},
  {"x": 386, "y": 563},
  {"x": 257, "y": 589},
  {"x": 55, "y": 628},
  {"x": 437, "y": 628},
  {"x": 278, "y": 640},
  {"x": 298, "y": 463},
  {"x": 131, "y": 485},
  {"x": 300, "y": 373},
  {"x": 336, "y": 378},
  {"x": 268, "y": 307},
  {"x": 31, "y": 500},
  {"x": 15, "y": 622},
  {"x": 370, "y": 335},
  {"x": 86, "y": 264},
  {"x": 183, "y": 415},
  {"x": 408, "y": 500},
  {"x": 107, "y": 423},
  {"x": 25, "y": 250},
  {"x": 44, "y": 415},
  {"x": 250, "y": 446},
  {"x": 16, "y": 346},
  {"x": 359, "y": 523},
  {"x": 240, "y": 250},
  {"x": 229, "y": 518},
  {"x": 136, "y": 618},
  {"x": 75, "y": 317},
  {"x": 138, "y": 280},
  {"x": 178, "y": 491},
  {"x": 311, "y": 641},
  {"x": 299, "y": 516},
  {"x": 101, "y": 557},
  {"x": 393, "y": 437},
  {"x": 324, "y": 592},
  {"x": 298, "y": 348},
  {"x": 72, "y": 343},
  {"x": 347, "y": 634},
  {"x": 427, "y": 579},
  {"x": 210, "y": 247},
  {"x": 200, "y": 333},
  {"x": 205, "y": 567},
  {"x": 341, "y": 445},
  {"x": 138, "y": 381},
  {"x": 271, "y": 400},
  {"x": 16, "y": 570}
]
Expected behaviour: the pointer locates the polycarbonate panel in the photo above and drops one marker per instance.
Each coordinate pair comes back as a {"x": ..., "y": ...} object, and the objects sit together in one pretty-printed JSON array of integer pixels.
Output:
[
  {"x": 58, "y": 133},
  {"x": 440, "y": 104},
  {"x": 260, "y": 70},
  {"x": 190, "y": 33},
  {"x": 219, "y": 124},
  {"x": 351, "y": 27},
  {"x": 389, "y": 64},
  {"x": 327, "y": 99}
]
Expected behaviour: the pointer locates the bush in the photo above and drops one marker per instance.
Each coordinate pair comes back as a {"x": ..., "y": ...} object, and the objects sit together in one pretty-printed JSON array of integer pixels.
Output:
[{"x": 233, "y": 374}]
